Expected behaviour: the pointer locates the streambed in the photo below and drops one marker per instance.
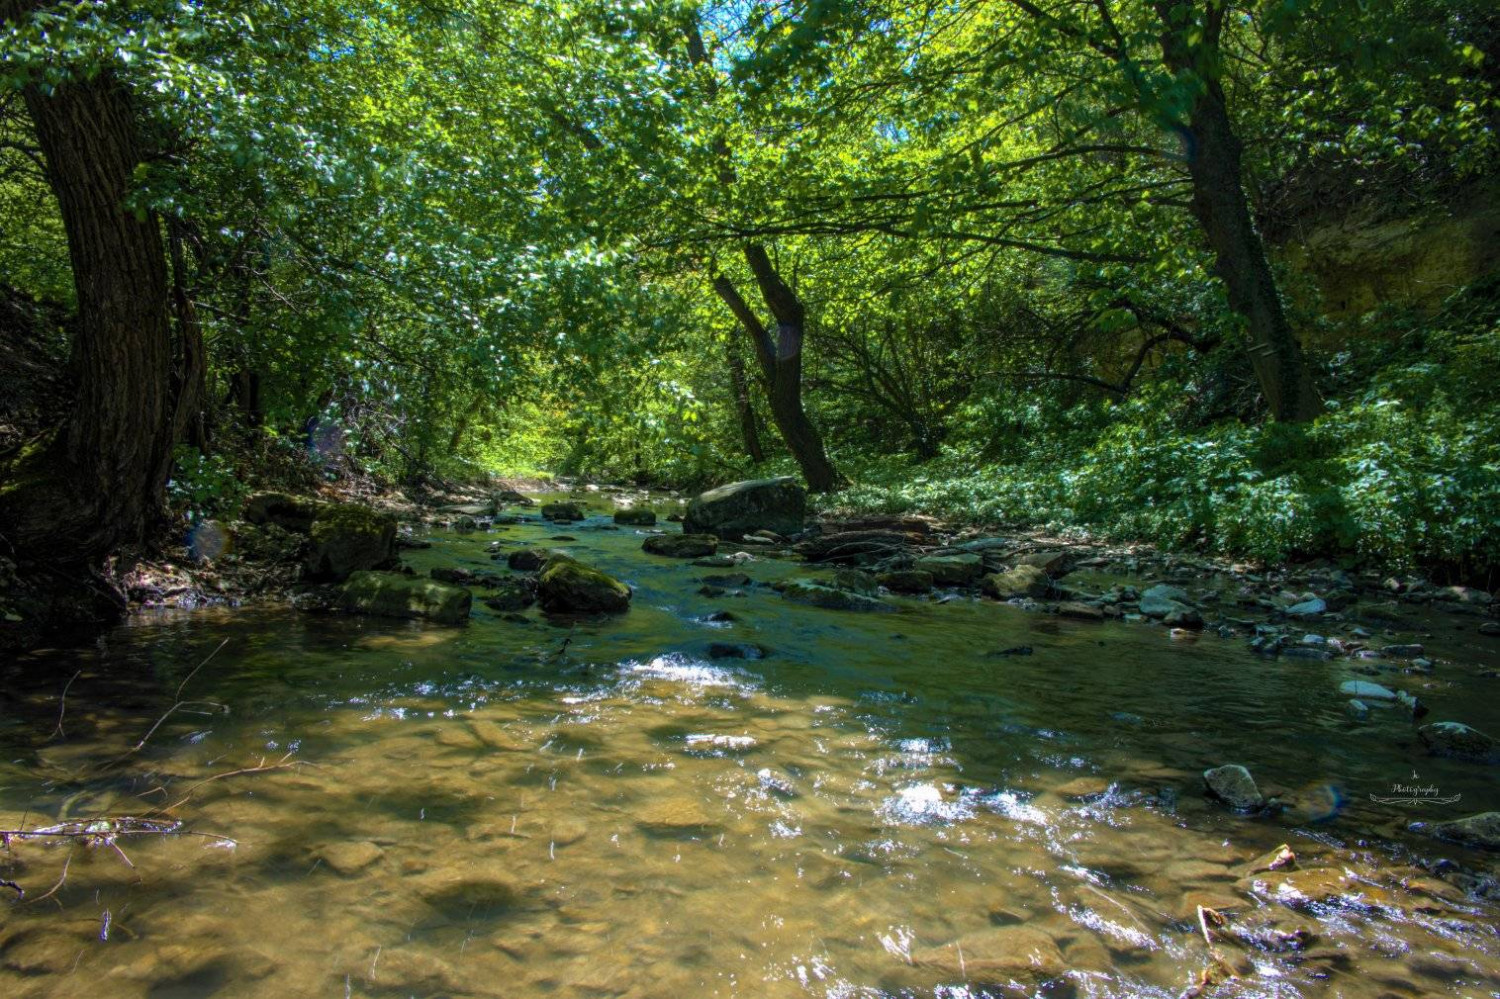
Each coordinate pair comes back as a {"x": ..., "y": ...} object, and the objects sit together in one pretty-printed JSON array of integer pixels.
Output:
[{"x": 855, "y": 805}]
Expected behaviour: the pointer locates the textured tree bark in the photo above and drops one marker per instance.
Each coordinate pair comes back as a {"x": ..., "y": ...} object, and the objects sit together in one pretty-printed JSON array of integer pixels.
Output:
[
  {"x": 103, "y": 477},
  {"x": 1222, "y": 209}
]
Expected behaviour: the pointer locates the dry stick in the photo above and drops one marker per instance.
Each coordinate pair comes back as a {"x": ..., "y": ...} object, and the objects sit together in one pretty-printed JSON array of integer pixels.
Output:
[{"x": 62, "y": 707}]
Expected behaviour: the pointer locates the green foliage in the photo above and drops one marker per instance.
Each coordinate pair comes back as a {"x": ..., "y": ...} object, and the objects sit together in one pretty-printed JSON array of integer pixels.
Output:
[{"x": 204, "y": 485}]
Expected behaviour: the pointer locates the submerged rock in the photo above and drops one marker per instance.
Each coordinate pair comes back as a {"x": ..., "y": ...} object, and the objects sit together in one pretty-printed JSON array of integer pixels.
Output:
[
  {"x": 1457, "y": 740},
  {"x": 349, "y": 538},
  {"x": 740, "y": 508},
  {"x": 1022, "y": 581},
  {"x": 803, "y": 591},
  {"x": 999, "y": 956},
  {"x": 681, "y": 545},
  {"x": 1481, "y": 831},
  {"x": 512, "y": 594},
  {"x": 391, "y": 594},
  {"x": 1233, "y": 785},
  {"x": 567, "y": 586}
]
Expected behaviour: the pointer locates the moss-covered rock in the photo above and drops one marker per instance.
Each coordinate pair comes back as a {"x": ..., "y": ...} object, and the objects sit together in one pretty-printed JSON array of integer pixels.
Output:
[
  {"x": 290, "y": 513},
  {"x": 562, "y": 512},
  {"x": 952, "y": 570},
  {"x": 567, "y": 586},
  {"x": 392, "y": 594},
  {"x": 347, "y": 539},
  {"x": 635, "y": 517},
  {"x": 805, "y": 592},
  {"x": 1022, "y": 581}
]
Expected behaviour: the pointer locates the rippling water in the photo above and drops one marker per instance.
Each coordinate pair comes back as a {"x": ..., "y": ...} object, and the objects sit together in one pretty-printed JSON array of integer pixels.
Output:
[{"x": 877, "y": 807}]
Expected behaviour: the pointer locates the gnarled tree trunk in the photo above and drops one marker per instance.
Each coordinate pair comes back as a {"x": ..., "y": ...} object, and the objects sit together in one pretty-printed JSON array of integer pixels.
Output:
[{"x": 781, "y": 363}]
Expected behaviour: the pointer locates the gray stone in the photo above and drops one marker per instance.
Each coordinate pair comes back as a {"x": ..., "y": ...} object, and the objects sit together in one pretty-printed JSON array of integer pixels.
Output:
[
  {"x": 1366, "y": 691},
  {"x": 391, "y": 594},
  {"x": 1307, "y": 608},
  {"x": 740, "y": 508},
  {"x": 1161, "y": 600},
  {"x": 1233, "y": 785}
]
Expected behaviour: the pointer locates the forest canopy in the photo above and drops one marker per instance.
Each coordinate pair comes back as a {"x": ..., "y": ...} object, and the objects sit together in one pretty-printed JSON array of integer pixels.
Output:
[{"x": 1200, "y": 272}]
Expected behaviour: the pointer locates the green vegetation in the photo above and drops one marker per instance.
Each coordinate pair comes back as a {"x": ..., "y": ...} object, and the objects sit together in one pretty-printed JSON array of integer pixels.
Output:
[{"x": 1209, "y": 273}]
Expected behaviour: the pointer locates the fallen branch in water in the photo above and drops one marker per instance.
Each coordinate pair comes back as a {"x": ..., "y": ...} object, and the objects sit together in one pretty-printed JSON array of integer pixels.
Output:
[
  {"x": 62, "y": 705},
  {"x": 285, "y": 763},
  {"x": 177, "y": 704}
]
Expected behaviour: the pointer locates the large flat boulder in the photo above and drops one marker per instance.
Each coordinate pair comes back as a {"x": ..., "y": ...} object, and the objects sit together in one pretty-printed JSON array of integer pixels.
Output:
[
  {"x": 349, "y": 538},
  {"x": 732, "y": 511},
  {"x": 392, "y": 594}
]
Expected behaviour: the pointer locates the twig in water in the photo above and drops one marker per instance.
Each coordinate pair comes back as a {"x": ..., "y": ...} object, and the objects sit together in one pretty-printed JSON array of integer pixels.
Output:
[
  {"x": 61, "y": 878},
  {"x": 262, "y": 767},
  {"x": 184, "y": 683},
  {"x": 62, "y": 706}
]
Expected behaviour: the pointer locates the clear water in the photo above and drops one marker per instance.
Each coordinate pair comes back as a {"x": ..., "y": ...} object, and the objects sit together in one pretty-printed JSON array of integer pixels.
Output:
[{"x": 877, "y": 808}]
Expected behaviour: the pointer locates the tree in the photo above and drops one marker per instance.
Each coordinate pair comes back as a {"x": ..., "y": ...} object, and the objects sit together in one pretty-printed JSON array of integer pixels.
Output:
[{"x": 101, "y": 479}]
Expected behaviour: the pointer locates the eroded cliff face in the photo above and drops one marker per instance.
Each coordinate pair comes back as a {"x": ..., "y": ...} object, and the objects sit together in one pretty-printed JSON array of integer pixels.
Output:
[{"x": 1365, "y": 261}]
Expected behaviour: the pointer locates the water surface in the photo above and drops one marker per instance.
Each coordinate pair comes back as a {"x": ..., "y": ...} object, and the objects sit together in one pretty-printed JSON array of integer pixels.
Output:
[{"x": 879, "y": 806}]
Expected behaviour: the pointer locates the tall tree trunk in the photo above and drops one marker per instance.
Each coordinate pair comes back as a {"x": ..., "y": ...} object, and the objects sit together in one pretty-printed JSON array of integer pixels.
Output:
[
  {"x": 1222, "y": 209},
  {"x": 781, "y": 363},
  {"x": 749, "y": 428},
  {"x": 104, "y": 477},
  {"x": 190, "y": 371}
]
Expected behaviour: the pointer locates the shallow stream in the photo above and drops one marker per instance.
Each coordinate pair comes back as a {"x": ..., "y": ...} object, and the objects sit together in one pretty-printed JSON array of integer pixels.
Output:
[{"x": 882, "y": 805}]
